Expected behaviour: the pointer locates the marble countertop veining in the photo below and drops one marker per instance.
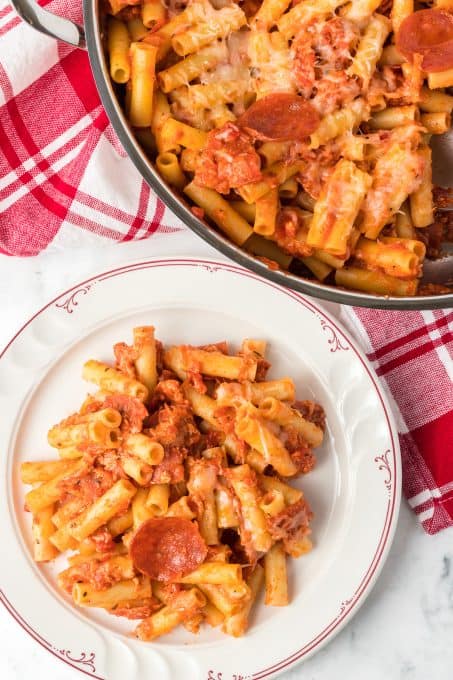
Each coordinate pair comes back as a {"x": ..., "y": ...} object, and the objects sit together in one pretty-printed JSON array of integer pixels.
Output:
[{"x": 404, "y": 631}]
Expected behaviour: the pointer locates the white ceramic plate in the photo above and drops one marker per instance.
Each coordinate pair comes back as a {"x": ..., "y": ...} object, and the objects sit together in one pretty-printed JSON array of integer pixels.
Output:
[{"x": 354, "y": 489}]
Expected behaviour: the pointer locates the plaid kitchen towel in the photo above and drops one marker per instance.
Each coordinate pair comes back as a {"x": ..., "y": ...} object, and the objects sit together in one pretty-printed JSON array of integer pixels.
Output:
[
  {"x": 64, "y": 180},
  {"x": 64, "y": 177},
  {"x": 412, "y": 353}
]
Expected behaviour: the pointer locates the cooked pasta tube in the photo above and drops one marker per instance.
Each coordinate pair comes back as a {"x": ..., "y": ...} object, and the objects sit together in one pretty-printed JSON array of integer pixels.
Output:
[
  {"x": 296, "y": 546},
  {"x": 112, "y": 380},
  {"x": 289, "y": 493},
  {"x": 118, "y": 42},
  {"x": 143, "y": 61},
  {"x": 183, "y": 607},
  {"x": 62, "y": 539},
  {"x": 42, "y": 529},
  {"x": 169, "y": 168},
  {"x": 275, "y": 576},
  {"x": 109, "y": 417},
  {"x": 189, "y": 159},
  {"x": 375, "y": 282},
  {"x": 210, "y": 95},
  {"x": 118, "y": 568},
  {"x": 67, "y": 511},
  {"x": 436, "y": 123},
  {"x": 256, "y": 433},
  {"x": 157, "y": 499},
  {"x": 256, "y": 460},
  {"x": 202, "y": 405},
  {"x": 391, "y": 57},
  {"x": 225, "y": 509},
  {"x": 153, "y": 13},
  {"x": 421, "y": 200},
  {"x": 273, "y": 152},
  {"x": 435, "y": 102},
  {"x": 70, "y": 452},
  {"x": 118, "y": 525},
  {"x": 263, "y": 247},
  {"x": 273, "y": 176},
  {"x": 243, "y": 481},
  {"x": 162, "y": 37},
  {"x": 49, "y": 492},
  {"x": 400, "y": 10},
  {"x": 304, "y": 13},
  {"x": 62, "y": 436},
  {"x": 395, "y": 176},
  {"x": 161, "y": 112},
  {"x": 144, "y": 447},
  {"x": 214, "y": 572},
  {"x": 394, "y": 256},
  {"x": 237, "y": 623},
  {"x": 337, "y": 208},
  {"x": 222, "y": 599},
  {"x": 339, "y": 122},
  {"x": 191, "y": 67},
  {"x": 140, "y": 511},
  {"x": 394, "y": 117},
  {"x": 174, "y": 132},
  {"x": 403, "y": 223},
  {"x": 103, "y": 509},
  {"x": 266, "y": 213},
  {"x": 274, "y": 409},
  {"x": 137, "y": 29},
  {"x": 254, "y": 346},
  {"x": 272, "y": 502},
  {"x": 359, "y": 10},
  {"x": 218, "y": 24},
  {"x": 181, "y": 508},
  {"x": 136, "y": 468},
  {"x": 269, "y": 12},
  {"x": 370, "y": 48},
  {"x": 440, "y": 79},
  {"x": 211, "y": 363},
  {"x": 288, "y": 189},
  {"x": 86, "y": 596},
  {"x": 245, "y": 210},
  {"x": 212, "y": 615},
  {"x": 220, "y": 212},
  {"x": 43, "y": 471},
  {"x": 320, "y": 269},
  {"x": 83, "y": 557},
  {"x": 145, "y": 363}
]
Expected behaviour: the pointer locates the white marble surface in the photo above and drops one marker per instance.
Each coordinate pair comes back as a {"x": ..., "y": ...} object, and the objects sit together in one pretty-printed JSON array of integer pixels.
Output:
[{"x": 404, "y": 631}]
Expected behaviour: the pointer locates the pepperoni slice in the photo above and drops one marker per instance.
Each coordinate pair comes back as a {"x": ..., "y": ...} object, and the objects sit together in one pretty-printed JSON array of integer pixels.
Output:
[
  {"x": 428, "y": 32},
  {"x": 167, "y": 548},
  {"x": 280, "y": 117}
]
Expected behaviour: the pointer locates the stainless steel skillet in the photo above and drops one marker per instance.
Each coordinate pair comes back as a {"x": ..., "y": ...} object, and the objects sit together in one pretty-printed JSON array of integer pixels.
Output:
[{"x": 89, "y": 37}]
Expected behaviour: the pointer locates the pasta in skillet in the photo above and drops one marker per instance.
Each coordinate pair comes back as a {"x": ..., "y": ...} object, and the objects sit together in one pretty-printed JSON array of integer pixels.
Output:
[
  {"x": 170, "y": 491},
  {"x": 300, "y": 129}
]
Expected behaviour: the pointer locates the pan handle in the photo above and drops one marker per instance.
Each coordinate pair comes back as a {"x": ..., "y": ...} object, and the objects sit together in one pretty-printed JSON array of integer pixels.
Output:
[{"x": 50, "y": 24}]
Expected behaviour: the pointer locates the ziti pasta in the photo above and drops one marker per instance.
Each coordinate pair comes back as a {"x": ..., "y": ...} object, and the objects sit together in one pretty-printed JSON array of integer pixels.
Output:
[
  {"x": 176, "y": 508},
  {"x": 300, "y": 129}
]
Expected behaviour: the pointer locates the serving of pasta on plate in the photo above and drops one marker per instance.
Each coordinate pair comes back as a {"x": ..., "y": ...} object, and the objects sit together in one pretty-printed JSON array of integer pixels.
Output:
[
  {"x": 170, "y": 492},
  {"x": 300, "y": 129}
]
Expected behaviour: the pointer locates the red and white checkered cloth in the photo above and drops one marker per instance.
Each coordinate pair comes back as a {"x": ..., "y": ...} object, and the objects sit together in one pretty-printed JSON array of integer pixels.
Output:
[
  {"x": 64, "y": 177},
  {"x": 64, "y": 180}
]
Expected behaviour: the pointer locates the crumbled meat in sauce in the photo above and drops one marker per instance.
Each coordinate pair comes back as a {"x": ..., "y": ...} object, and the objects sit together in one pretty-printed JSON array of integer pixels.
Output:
[
  {"x": 311, "y": 411},
  {"x": 132, "y": 410},
  {"x": 125, "y": 357},
  {"x": 228, "y": 160}
]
